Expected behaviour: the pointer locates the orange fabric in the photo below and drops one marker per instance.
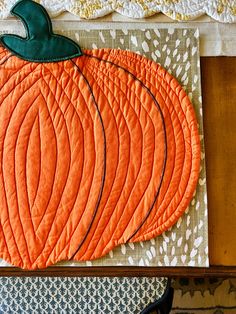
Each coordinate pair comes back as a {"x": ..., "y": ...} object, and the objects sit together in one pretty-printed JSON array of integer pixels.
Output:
[{"x": 95, "y": 151}]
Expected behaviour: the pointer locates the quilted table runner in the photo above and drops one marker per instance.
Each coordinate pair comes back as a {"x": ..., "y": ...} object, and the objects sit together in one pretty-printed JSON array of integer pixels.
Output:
[
  {"x": 183, "y": 10},
  {"x": 185, "y": 243}
]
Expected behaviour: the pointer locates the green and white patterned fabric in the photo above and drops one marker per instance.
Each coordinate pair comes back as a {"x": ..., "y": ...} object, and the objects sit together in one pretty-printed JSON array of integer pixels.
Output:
[{"x": 83, "y": 295}]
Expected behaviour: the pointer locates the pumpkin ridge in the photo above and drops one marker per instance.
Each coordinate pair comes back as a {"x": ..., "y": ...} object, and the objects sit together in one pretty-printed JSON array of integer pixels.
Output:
[
  {"x": 57, "y": 153},
  {"x": 174, "y": 216},
  {"x": 161, "y": 82},
  {"x": 186, "y": 185},
  {"x": 25, "y": 167},
  {"x": 69, "y": 215},
  {"x": 143, "y": 108},
  {"x": 155, "y": 101},
  {"x": 6, "y": 251},
  {"x": 144, "y": 191},
  {"x": 36, "y": 191},
  {"x": 5, "y": 58},
  {"x": 54, "y": 172},
  {"x": 164, "y": 81},
  {"x": 12, "y": 77},
  {"x": 3, "y": 51},
  {"x": 25, "y": 170},
  {"x": 104, "y": 168},
  {"x": 7, "y": 206},
  {"x": 15, "y": 183},
  {"x": 175, "y": 213},
  {"x": 107, "y": 198},
  {"x": 174, "y": 91},
  {"x": 81, "y": 178},
  {"x": 162, "y": 117},
  {"x": 174, "y": 196},
  {"x": 180, "y": 124},
  {"x": 69, "y": 169},
  {"x": 92, "y": 73}
]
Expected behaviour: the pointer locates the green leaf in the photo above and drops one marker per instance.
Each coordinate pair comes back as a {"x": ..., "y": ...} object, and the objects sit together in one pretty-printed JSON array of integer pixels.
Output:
[{"x": 40, "y": 44}]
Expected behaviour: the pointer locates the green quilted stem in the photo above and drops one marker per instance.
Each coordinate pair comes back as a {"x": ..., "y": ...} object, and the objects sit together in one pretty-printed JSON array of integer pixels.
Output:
[{"x": 40, "y": 44}]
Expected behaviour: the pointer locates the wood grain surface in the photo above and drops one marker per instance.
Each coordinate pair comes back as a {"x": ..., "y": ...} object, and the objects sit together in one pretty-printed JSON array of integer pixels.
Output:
[
  {"x": 123, "y": 271},
  {"x": 219, "y": 110}
]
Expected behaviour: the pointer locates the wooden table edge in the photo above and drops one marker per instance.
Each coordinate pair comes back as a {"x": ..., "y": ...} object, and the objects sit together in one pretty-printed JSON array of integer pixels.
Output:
[{"x": 122, "y": 271}]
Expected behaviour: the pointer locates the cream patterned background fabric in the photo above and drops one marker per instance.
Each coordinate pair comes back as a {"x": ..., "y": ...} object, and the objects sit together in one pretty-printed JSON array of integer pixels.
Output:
[
  {"x": 220, "y": 10},
  {"x": 186, "y": 244}
]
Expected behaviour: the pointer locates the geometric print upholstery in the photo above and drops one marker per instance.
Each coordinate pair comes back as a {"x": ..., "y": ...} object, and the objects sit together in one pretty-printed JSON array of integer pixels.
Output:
[{"x": 79, "y": 295}]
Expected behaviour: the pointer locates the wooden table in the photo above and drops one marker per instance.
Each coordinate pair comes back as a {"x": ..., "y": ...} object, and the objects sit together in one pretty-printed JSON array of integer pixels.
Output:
[{"x": 219, "y": 106}]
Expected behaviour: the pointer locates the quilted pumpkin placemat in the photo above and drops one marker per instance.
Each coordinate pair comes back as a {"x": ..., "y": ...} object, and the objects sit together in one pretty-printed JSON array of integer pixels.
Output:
[
  {"x": 186, "y": 244},
  {"x": 177, "y": 50}
]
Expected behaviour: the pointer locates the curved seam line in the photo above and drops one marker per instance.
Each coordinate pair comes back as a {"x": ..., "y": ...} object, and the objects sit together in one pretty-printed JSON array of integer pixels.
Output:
[
  {"x": 40, "y": 166},
  {"x": 78, "y": 117},
  {"x": 26, "y": 186},
  {"x": 141, "y": 162},
  {"x": 6, "y": 57},
  {"x": 113, "y": 116},
  {"x": 179, "y": 203},
  {"x": 90, "y": 186},
  {"x": 183, "y": 161},
  {"x": 55, "y": 167},
  {"x": 5, "y": 135},
  {"x": 82, "y": 169},
  {"x": 118, "y": 163},
  {"x": 177, "y": 96},
  {"x": 159, "y": 109},
  {"x": 2, "y": 165},
  {"x": 183, "y": 165},
  {"x": 11, "y": 77},
  {"x": 165, "y": 154},
  {"x": 94, "y": 144},
  {"x": 68, "y": 171},
  {"x": 6, "y": 245},
  {"x": 161, "y": 83},
  {"x": 41, "y": 151},
  {"x": 15, "y": 181},
  {"x": 104, "y": 162}
]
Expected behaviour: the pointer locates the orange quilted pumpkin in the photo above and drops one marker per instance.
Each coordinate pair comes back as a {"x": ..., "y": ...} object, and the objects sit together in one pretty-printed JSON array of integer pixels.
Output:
[{"x": 97, "y": 148}]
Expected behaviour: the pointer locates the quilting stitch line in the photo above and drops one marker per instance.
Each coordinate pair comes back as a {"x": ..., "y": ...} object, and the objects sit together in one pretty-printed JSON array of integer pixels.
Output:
[
  {"x": 73, "y": 232},
  {"x": 77, "y": 192},
  {"x": 124, "y": 54},
  {"x": 69, "y": 168},
  {"x": 5, "y": 135},
  {"x": 64, "y": 187},
  {"x": 132, "y": 59},
  {"x": 2, "y": 164},
  {"x": 142, "y": 137},
  {"x": 104, "y": 169},
  {"x": 162, "y": 117}
]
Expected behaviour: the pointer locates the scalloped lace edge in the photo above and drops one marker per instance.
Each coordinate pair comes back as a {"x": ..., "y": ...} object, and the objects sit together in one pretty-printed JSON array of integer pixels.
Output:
[{"x": 181, "y": 10}]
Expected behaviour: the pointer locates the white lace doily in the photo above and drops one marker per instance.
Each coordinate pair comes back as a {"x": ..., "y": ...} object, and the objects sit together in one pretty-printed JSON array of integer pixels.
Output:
[{"x": 183, "y": 10}]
